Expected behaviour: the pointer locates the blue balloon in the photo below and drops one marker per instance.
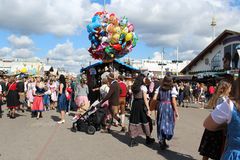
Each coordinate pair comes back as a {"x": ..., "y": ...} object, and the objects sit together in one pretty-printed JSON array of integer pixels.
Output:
[
  {"x": 96, "y": 22},
  {"x": 103, "y": 33}
]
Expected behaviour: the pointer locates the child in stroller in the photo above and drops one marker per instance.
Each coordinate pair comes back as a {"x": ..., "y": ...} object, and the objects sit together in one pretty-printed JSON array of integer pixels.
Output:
[{"x": 91, "y": 121}]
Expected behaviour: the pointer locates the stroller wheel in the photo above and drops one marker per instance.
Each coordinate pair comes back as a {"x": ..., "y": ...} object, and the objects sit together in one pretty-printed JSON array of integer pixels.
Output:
[
  {"x": 74, "y": 127},
  {"x": 91, "y": 130}
]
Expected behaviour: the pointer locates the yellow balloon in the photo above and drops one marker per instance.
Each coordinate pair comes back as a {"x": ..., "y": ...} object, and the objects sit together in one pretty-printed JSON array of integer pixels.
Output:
[
  {"x": 24, "y": 70},
  {"x": 115, "y": 38},
  {"x": 128, "y": 37},
  {"x": 125, "y": 30},
  {"x": 117, "y": 29}
]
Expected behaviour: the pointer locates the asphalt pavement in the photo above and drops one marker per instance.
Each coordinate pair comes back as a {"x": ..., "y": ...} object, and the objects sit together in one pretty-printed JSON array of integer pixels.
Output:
[{"x": 26, "y": 138}]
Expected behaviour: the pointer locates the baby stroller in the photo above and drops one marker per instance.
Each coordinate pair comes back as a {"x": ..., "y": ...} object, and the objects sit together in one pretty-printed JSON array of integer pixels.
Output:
[{"x": 91, "y": 120}]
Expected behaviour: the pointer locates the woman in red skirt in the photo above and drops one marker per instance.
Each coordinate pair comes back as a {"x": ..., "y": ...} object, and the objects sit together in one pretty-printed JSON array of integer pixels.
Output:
[
  {"x": 38, "y": 98},
  {"x": 12, "y": 97}
]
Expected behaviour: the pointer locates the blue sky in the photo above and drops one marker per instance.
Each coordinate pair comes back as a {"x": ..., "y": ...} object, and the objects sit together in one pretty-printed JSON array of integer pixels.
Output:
[{"x": 51, "y": 28}]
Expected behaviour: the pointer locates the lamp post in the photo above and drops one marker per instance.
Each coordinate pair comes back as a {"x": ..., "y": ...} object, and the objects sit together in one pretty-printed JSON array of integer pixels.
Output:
[
  {"x": 177, "y": 61},
  {"x": 162, "y": 64}
]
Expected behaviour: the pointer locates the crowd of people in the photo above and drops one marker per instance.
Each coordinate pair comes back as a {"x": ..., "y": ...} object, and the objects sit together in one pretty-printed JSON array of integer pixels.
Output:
[{"x": 149, "y": 100}]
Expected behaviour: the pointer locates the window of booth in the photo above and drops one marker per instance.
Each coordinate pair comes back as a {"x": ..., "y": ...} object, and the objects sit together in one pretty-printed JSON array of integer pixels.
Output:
[
  {"x": 227, "y": 57},
  {"x": 216, "y": 61},
  {"x": 235, "y": 56}
]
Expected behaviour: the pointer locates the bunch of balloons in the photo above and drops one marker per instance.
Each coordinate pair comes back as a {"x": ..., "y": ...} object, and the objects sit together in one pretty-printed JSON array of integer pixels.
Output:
[{"x": 110, "y": 37}]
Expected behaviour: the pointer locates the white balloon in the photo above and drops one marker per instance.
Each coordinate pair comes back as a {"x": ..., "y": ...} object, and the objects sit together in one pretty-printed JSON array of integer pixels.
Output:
[{"x": 104, "y": 39}]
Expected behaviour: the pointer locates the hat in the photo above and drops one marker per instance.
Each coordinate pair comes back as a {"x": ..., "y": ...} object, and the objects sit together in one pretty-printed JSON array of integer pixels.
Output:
[
  {"x": 145, "y": 73},
  {"x": 110, "y": 76},
  {"x": 148, "y": 74}
]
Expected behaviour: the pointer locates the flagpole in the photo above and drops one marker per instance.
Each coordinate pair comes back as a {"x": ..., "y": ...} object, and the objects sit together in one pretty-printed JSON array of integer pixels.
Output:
[{"x": 104, "y": 5}]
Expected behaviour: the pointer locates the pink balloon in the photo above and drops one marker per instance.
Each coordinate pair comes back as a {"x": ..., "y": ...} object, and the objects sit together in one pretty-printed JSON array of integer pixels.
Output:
[{"x": 130, "y": 27}]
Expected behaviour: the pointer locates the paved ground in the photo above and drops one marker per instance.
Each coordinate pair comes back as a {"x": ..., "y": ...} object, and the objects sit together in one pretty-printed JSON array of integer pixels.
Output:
[{"x": 25, "y": 138}]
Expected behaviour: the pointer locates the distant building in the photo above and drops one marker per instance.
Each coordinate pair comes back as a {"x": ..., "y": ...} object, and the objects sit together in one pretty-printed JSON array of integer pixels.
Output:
[
  {"x": 159, "y": 67},
  {"x": 14, "y": 66},
  {"x": 219, "y": 57}
]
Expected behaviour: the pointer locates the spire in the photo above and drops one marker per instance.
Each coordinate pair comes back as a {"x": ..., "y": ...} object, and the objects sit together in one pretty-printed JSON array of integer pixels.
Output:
[{"x": 213, "y": 24}]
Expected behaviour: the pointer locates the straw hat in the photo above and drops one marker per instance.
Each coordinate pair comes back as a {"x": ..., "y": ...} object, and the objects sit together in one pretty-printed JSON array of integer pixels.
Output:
[{"x": 111, "y": 76}]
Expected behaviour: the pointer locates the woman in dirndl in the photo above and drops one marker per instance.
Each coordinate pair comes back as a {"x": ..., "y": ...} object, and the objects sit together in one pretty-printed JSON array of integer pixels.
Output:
[
  {"x": 227, "y": 115},
  {"x": 81, "y": 100},
  {"x": 54, "y": 99},
  {"x": 167, "y": 111},
  {"x": 62, "y": 99},
  {"x": 212, "y": 142},
  {"x": 12, "y": 97},
  {"x": 38, "y": 93},
  {"x": 138, "y": 121},
  {"x": 30, "y": 87}
]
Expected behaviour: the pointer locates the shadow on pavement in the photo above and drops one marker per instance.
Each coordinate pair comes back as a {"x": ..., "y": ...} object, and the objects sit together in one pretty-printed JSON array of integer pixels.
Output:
[
  {"x": 167, "y": 154},
  {"x": 122, "y": 138},
  {"x": 55, "y": 118}
]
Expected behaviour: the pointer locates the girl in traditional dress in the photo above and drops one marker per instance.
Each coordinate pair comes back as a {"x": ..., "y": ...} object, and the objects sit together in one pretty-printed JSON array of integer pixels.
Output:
[
  {"x": 12, "y": 97},
  {"x": 46, "y": 96},
  {"x": 212, "y": 142},
  {"x": 82, "y": 98},
  {"x": 53, "y": 89},
  {"x": 38, "y": 93},
  {"x": 69, "y": 96},
  {"x": 30, "y": 86},
  {"x": 167, "y": 111},
  {"x": 227, "y": 113},
  {"x": 138, "y": 122},
  {"x": 104, "y": 89}
]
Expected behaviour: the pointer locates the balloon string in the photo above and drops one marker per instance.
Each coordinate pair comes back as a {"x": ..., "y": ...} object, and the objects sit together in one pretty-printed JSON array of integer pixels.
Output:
[{"x": 104, "y": 6}]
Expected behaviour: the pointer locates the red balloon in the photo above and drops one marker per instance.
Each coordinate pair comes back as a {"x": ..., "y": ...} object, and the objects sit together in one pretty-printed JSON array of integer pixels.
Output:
[
  {"x": 118, "y": 47},
  {"x": 99, "y": 13}
]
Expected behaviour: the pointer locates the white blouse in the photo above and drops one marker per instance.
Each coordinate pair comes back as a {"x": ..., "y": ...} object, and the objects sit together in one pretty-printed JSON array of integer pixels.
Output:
[
  {"x": 223, "y": 112},
  {"x": 174, "y": 91}
]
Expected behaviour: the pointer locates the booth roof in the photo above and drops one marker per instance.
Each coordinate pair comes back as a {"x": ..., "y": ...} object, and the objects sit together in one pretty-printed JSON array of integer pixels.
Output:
[{"x": 115, "y": 61}]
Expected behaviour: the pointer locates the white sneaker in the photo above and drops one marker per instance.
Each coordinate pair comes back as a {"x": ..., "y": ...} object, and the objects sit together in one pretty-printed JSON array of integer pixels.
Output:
[{"x": 60, "y": 122}]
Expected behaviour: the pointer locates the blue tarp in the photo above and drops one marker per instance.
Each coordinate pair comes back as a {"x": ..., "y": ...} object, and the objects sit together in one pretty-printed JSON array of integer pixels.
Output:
[{"x": 115, "y": 61}]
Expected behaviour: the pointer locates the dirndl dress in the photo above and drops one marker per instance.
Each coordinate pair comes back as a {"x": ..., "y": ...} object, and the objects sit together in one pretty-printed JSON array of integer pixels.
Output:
[
  {"x": 212, "y": 142},
  {"x": 46, "y": 99},
  {"x": 138, "y": 121},
  {"x": 37, "y": 104},
  {"x": 62, "y": 102},
  {"x": 165, "y": 116},
  {"x": 232, "y": 150},
  {"x": 38, "y": 100},
  {"x": 12, "y": 96},
  {"x": 81, "y": 101},
  {"x": 53, "y": 93}
]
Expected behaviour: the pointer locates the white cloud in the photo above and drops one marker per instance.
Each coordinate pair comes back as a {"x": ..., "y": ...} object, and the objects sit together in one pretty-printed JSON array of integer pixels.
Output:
[
  {"x": 65, "y": 55},
  {"x": 20, "y": 47},
  {"x": 157, "y": 56},
  {"x": 20, "y": 42},
  {"x": 22, "y": 53},
  {"x": 60, "y": 17},
  {"x": 182, "y": 23},
  {"x": 160, "y": 23},
  {"x": 5, "y": 51}
]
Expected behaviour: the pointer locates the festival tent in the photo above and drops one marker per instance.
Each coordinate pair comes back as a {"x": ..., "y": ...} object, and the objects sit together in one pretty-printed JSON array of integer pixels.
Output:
[
  {"x": 116, "y": 65},
  {"x": 96, "y": 71}
]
